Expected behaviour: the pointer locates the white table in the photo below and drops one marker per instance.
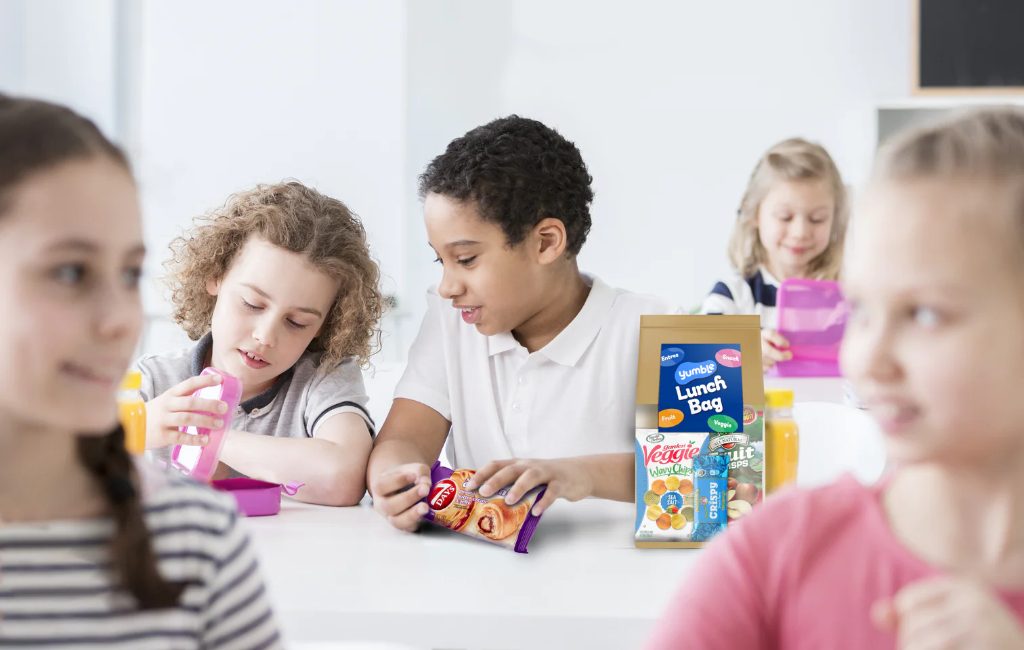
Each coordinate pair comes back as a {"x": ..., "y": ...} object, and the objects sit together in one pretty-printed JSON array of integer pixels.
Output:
[{"x": 343, "y": 574}]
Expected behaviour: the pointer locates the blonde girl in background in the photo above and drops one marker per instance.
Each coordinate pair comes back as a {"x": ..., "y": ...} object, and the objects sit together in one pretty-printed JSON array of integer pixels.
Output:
[{"x": 791, "y": 224}]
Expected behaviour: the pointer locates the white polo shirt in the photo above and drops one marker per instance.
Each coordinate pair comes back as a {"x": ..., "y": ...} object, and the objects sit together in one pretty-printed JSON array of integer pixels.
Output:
[{"x": 575, "y": 396}]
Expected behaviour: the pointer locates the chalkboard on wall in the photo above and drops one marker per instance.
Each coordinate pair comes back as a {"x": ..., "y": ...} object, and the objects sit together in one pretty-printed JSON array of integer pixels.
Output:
[{"x": 967, "y": 47}]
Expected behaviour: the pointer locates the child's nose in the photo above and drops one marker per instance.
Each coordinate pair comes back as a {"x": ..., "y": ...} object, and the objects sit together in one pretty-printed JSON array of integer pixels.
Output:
[
  {"x": 264, "y": 333},
  {"x": 870, "y": 355},
  {"x": 450, "y": 288},
  {"x": 880, "y": 363},
  {"x": 119, "y": 315},
  {"x": 800, "y": 228}
]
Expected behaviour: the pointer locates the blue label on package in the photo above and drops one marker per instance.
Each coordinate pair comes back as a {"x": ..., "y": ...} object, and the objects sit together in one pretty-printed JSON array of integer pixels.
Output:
[
  {"x": 701, "y": 388},
  {"x": 710, "y": 493}
]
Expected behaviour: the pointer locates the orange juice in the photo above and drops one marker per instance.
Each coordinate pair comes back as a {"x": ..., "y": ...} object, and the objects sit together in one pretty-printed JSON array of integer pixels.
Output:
[
  {"x": 781, "y": 440},
  {"x": 132, "y": 411}
]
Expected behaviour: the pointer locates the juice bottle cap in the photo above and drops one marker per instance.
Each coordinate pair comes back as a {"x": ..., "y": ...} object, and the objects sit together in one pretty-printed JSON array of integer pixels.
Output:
[
  {"x": 778, "y": 398},
  {"x": 131, "y": 381}
]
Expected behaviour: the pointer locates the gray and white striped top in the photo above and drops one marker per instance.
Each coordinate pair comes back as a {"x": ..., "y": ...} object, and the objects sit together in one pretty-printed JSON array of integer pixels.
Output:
[{"x": 57, "y": 588}]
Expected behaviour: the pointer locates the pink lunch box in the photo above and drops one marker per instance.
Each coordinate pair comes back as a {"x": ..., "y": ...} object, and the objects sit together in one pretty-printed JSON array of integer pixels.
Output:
[
  {"x": 256, "y": 498},
  {"x": 812, "y": 315},
  {"x": 201, "y": 462}
]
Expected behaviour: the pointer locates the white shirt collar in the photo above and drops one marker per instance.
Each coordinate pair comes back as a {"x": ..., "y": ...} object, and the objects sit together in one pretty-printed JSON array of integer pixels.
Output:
[
  {"x": 767, "y": 276},
  {"x": 570, "y": 344}
]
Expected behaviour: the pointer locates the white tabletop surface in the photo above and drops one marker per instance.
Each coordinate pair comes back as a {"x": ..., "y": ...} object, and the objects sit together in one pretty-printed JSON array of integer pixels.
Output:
[{"x": 344, "y": 575}]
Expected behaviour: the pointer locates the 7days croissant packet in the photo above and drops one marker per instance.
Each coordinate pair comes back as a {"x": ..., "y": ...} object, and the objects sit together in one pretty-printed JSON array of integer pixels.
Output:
[
  {"x": 451, "y": 505},
  {"x": 699, "y": 427}
]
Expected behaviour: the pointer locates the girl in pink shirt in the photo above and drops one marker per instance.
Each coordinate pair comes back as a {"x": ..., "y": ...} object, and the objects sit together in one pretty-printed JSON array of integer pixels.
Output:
[{"x": 932, "y": 558}]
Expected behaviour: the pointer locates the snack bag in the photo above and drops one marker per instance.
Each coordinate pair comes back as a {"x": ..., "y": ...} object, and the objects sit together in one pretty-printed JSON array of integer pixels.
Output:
[
  {"x": 665, "y": 509},
  {"x": 700, "y": 384},
  {"x": 451, "y": 505},
  {"x": 710, "y": 490}
]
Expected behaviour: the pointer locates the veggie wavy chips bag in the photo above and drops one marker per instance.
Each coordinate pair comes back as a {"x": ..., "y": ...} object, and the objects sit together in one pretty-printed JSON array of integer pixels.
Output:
[{"x": 699, "y": 427}]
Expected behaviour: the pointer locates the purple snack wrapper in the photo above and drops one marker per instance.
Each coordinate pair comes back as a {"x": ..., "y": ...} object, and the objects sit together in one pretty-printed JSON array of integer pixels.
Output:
[{"x": 439, "y": 473}]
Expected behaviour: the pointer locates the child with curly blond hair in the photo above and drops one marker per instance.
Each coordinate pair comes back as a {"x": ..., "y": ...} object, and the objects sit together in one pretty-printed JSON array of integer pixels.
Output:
[{"x": 279, "y": 289}]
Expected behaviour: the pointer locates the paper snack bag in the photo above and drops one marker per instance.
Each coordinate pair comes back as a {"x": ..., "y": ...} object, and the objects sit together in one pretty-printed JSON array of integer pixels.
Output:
[{"x": 699, "y": 427}]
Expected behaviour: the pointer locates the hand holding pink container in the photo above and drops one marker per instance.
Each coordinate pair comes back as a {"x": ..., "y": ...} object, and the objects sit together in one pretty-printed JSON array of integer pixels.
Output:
[{"x": 201, "y": 462}]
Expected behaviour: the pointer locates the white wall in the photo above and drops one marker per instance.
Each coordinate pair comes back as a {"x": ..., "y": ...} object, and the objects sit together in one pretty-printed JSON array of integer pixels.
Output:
[
  {"x": 12, "y": 66},
  {"x": 671, "y": 104},
  {"x": 237, "y": 92},
  {"x": 63, "y": 51}
]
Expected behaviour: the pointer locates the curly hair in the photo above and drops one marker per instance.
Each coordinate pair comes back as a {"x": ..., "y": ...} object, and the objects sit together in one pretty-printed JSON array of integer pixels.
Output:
[
  {"x": 792, "y": 159},
  {"x": 298, "y": 219},
  {"x": 518, "y": 172}
]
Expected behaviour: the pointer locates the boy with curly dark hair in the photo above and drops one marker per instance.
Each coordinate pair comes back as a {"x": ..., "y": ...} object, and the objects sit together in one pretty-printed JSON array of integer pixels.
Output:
[
  {"x": 279, "y": 289},
  {"x": 529, "y": 364}
]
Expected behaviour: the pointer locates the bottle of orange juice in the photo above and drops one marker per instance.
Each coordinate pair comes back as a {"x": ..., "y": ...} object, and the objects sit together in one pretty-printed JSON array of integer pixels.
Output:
[
  {"x": 132, "y": 411},
  {"x": 781, "y": 440}
]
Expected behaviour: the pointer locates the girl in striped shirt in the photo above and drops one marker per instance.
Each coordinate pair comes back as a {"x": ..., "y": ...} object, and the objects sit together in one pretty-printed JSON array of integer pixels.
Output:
[
  {"x": 94, "y": 553},
  {"x": 791, "y": 224}
]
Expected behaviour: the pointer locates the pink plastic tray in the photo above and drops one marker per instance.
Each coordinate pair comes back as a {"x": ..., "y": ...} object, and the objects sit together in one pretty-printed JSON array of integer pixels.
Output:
[
  {"x": 812, "y": 316},
  {"x": 256, "y": 498},
  {"x": 201, "y": 462}
]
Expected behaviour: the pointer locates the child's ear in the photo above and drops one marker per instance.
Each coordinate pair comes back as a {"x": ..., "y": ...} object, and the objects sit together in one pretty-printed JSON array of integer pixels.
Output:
[
  {"x": 551, "y": 238},
  {"x": 212, "y": 286}
]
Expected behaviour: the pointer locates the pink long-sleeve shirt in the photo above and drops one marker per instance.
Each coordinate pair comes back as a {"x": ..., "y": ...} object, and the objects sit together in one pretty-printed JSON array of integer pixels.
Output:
[{"x": 801, "y": 572}]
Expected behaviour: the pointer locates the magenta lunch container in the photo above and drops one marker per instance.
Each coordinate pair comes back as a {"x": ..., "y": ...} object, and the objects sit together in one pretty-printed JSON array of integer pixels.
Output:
[
  {"x": 812, "y": 315},
  {"x": 256, "y": 498},
  {"x": 201, "y": 462}
]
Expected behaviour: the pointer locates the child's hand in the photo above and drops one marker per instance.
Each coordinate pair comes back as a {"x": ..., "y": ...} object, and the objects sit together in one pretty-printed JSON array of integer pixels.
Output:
[
  {"x": 946, "y": 613},
  {"x": 773, "y": 349},
  {"x": 175, "y": 408},
  {"x": 397, "y": 494},
  {"x": 565, "y": 479}
]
